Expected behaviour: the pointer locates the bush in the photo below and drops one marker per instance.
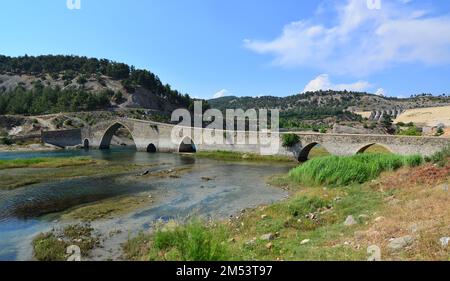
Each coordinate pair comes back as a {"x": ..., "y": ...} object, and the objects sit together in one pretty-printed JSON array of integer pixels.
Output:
[
  {"x": 411, "y": 131},
  {"x": 439, "y": 132},
  {"x": 192, "y": 242},
  {"x": 6, "y": 141},
  {"x": 289, "y": 140},
  {"x": 440, "y": 158},
  {"x": 48, "y": 248},
  {"x": 342, "y": 171}
]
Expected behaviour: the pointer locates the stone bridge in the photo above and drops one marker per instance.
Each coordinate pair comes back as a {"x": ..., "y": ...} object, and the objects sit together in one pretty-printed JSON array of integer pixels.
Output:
[{"x": 158, "y": 137}]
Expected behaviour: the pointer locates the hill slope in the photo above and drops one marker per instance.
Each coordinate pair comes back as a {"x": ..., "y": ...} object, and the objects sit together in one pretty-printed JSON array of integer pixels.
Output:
[
  {"x": 351, "y": 101},
  {"x": 35, "y": 85}
]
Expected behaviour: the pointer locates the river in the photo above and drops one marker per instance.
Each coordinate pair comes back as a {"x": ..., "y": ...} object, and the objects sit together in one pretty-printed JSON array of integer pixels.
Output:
[{"x": 231, "y": 187}]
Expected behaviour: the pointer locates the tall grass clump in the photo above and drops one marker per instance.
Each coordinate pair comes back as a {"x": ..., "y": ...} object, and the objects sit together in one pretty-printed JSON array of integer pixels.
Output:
[
  {"x": 342, "y": 171},
  {"x": 192, "y": 242},
  {"x": 440, "y": 158}
]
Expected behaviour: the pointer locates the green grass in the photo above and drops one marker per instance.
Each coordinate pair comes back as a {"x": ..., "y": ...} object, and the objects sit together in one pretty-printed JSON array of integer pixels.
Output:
[
  {"x": 237, "y": 156},
  {"x": 342, "y": 171},
  {"x": 48, "y": 248},
  {"x": 194, "y": 241},
  {"x": 54, "y": 162}
]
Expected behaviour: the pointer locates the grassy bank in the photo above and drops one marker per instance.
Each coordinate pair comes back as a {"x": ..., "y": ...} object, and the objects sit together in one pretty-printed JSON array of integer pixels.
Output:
[
  {"x": 404, "y": 198},
  {"x": 273, "y": 232},
  {"x": 54, "y": 162},
  {"x": 237, "y": 156},
  {"x": 108, "y": 208},
  {"x": 342, "y": 171}
]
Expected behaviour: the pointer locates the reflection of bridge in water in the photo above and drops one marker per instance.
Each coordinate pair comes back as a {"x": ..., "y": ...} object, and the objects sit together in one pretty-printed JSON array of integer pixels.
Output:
[{"x": 157, "y": 137}]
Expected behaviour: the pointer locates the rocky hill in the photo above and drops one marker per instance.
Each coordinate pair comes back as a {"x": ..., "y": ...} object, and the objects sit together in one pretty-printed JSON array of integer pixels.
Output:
[{"x": 51, "y": 84}]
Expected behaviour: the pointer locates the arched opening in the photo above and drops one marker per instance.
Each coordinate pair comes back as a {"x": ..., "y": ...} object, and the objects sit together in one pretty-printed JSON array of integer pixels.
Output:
[
  {"x": 117, "y": 136},
  {"x": 374, "y": 148},
  {"x": 86, "y": 144},
  {"x": 312, "y": 150},
  {"x": 151, "y": 148},
  {"x": 187, "y": 146}
]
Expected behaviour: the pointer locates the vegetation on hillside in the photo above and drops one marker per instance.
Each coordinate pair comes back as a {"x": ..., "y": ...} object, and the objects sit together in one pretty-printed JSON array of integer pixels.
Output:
[
  {"x": 46, "y": 100},
  {"x": 82, "y": 68},
  {"x": 319, "y": 111}
]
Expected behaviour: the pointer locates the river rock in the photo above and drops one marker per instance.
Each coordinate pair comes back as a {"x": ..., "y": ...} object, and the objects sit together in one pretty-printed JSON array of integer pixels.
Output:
[
  {"x": 400, "y": 243},
  {"x": 374, "y": 253},
  {"x": 267, "y": 237},
  {"x": 250, "y": 242},
  {"x": 444, "y": 241},
  {"x": 305, "y": 241},
  {"x": 378, "y": 219},
  {"x": 350, "y": 221}
]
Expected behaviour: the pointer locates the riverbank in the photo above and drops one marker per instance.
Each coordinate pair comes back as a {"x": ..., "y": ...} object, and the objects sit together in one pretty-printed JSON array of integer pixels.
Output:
[
  {"x": 404, "y": 213},
  {"x": 33, "y": 147},
  {"x": 238, "y": 156}
]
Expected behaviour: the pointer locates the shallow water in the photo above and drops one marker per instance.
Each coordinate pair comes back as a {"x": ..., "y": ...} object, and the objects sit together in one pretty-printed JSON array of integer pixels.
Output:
[{"x": 26, "y": 211}]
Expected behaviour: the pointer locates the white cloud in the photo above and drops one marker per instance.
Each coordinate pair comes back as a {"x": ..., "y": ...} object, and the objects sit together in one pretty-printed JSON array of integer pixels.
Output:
[
  {"x": 363, "y": 40},
  {"x": 221, "y": 93},
  {"x": 322, "y": 82}
]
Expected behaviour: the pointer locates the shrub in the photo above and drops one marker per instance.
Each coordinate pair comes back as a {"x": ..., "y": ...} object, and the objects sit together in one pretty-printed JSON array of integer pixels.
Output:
[
  {"x": 411, "y": 131},
  {"x": 440, "y": 158},
  {"x": 6, "y": 141},
  {"x": 439, "y": 132},
  {"x": 48, "y": 248},
  {"x": 342, "y": 171},
  {"x": 289, "y": 140},
  {"x": 192, "y": 242}
]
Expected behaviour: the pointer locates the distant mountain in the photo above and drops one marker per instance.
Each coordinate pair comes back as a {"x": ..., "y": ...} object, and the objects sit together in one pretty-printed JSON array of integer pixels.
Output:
[
  {"x": 322, "y": 110},
  {"x": 342, "y": 100},
  {"x": 49, "y": 84}
]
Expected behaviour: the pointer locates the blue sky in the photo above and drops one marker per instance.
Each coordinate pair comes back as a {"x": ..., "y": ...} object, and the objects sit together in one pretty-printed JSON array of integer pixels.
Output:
[{"x": 248, "y": 47}]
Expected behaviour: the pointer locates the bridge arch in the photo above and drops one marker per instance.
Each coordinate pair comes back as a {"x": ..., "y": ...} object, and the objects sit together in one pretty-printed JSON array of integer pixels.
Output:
[
  {"x": 86, "y": 144},
  {"x": 151, "y": 148},
  {"x": 303, "y": 156},
  {"x": 107, "y": 136},
  {"x": 187, "y": 145},
  {"x": 379, "y": 148}
]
